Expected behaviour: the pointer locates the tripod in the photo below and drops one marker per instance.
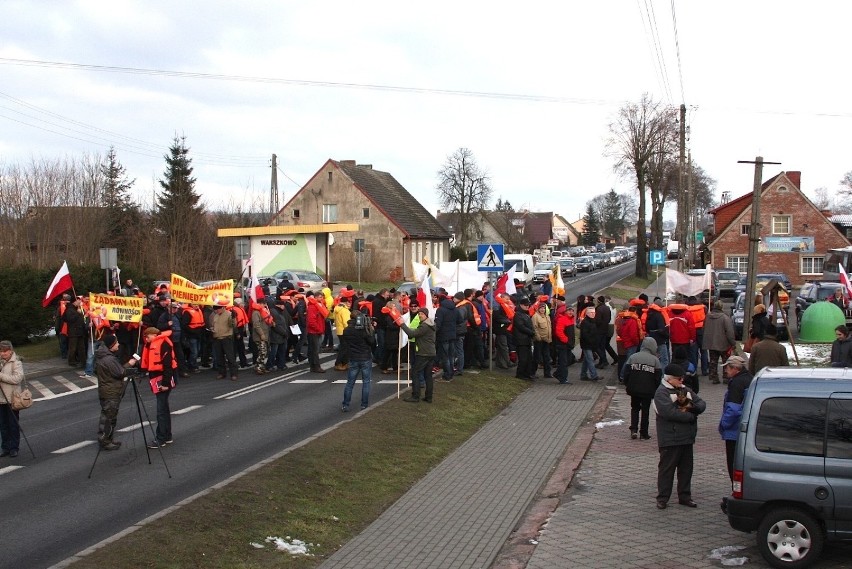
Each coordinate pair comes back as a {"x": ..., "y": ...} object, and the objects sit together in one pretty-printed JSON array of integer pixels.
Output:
[{"x": 140, "y": 407}]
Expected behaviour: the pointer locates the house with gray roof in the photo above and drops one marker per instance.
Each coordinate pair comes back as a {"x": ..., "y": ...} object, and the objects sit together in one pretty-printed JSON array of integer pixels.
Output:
[{"x": 393, "y": 227}]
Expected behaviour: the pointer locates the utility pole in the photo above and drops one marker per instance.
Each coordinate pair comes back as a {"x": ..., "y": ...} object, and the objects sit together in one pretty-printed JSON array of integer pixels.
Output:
[
  {"x": 690, "y": 213},
  {"x": 682, "y": 206},
  {"x": 753, "y": 241},
  {"x": 273, "y": 188}
]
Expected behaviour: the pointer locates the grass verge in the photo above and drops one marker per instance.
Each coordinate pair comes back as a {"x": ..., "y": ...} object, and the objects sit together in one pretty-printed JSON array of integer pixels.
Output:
[
  {"x": 38, "y": 350},
  {"x": 323, "y": 493}
]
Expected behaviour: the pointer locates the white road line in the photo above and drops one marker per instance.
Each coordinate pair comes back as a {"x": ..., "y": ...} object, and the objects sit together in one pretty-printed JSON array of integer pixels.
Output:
[
  {"x": 66, "y": 383},
  {"x": 134, "y": 427},
  {"x": 309, "y": 381},
  {"x": 264, "y": 383},
  {"x": 8, "y": 469},
  {"x": 73, "y": 447},
  {"x": 57, "y": 395},
  {"x": 357, "y": 381},
  {"x": 253, "y": 388},
  {"x": 38, "y": 385},
  {"x": 187, "y": 409}
]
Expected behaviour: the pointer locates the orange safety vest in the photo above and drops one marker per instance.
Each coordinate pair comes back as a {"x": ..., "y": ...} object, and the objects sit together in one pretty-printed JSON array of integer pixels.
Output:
[
  {"x": 476, "y": 317},
  {"x": 698, "y": 315},
  {"x": 196, "y": 317},
  {"x": 63, "y": 304},
  {"x": 152, "y": 354},
  {"x": 659, "y": 309},
  {"x": 240, "y": 318}
]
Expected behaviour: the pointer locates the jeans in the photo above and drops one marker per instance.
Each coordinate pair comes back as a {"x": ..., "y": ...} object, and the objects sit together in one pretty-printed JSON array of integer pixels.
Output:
[
  {"x": 663, "y": 354},
  {"x": 90, "y": 356},
  {"x": 445, "y": 357},
  {"x": 313, "y": 349},
  {"x": 10, "y": 431},
  {"x": 627, "y": 353},
  {"x": 561, "y": 362},
  {"x": 365, "y": 368},
  {"x": 459, "y": 354},
  {"x": 164, "y": 417},
  {"x": 277, "y": 356},
  {"x": 588, "y": 368},
  {"x": 194, "y": 347}
]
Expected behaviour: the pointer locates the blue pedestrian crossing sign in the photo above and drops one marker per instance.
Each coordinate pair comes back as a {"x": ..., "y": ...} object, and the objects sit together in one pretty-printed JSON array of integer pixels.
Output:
[
  {"x": 657, "y": 257},
  {"x": 489, "y": 257}
]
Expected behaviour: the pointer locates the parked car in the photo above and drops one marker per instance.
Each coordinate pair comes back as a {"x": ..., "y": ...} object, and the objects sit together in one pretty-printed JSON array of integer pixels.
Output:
[
  {"x": 738, "y": 314},
  {"x": 568, "y": 268},
  {"x": 585, "y": 264},
  {"x": 542, "y": 271},
  {"x": 741, "y": 285},
  {"x": 728, "y": 280},
  {"x": 792, "y": 471},
  {"x": 815, "y": 292},
  {"x": 760, "y": 282},
  {"x": 601, "y": 259},
  {"x": 306, "y": 280}
]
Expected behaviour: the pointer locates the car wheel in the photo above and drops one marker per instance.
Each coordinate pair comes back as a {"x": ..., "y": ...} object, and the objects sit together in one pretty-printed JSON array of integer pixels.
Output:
[{"x": 789, "y": 538}]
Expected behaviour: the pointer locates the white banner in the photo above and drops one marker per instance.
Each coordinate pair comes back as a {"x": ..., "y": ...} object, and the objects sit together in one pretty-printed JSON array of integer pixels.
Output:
[{"x": 687, "y": 285}]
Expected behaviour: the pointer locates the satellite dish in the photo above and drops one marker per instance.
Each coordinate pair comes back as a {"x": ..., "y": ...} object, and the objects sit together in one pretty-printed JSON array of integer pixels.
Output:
[{"x": 330, "y": 239}]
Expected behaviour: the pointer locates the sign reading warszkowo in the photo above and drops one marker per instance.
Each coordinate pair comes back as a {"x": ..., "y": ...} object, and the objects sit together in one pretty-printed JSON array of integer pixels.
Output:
[
  {"x": 116, "y": 308},
  {"x": 219, "y": 293}
]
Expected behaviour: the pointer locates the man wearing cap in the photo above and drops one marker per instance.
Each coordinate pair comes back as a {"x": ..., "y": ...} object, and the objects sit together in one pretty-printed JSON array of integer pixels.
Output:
[
  {"x": 11, "y": 376},
  {"x": 738, "y": 379},
  {"x": 110, "y": 372},
  {"x": 677, "y": 408},
  {"x": 523, "y": 333},
  {"x": 424, "y": 336}
]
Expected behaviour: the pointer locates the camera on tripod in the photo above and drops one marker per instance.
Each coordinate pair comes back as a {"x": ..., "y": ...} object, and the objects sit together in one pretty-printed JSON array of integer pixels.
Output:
[{"x": 360, "y": 321}]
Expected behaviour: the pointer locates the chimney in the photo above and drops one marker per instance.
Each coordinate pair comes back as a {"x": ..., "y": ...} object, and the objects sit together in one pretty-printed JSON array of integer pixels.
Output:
[
  {"x": 347, "y": 163},
  {"x": 367, "y": 166},
  {"x": 796, "y": 178}
]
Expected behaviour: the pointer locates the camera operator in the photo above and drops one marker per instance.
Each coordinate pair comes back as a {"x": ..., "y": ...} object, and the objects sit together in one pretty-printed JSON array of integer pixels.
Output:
[
  {"x": 110, "y": 373},
  {"x": 358, "y": 340}
]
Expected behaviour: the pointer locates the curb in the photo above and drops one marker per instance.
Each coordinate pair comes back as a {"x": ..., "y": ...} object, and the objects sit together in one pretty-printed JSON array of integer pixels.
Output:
[{"x": 520, "y": 545}]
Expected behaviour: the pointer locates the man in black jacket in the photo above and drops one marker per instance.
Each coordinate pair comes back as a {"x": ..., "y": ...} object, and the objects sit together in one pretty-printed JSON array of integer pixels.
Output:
[
  {"x": 589, "y": 344},
  {"x": 523, "y": 332},
  {"x": 358, "y": 340},
  {"x": 603, "y": 315}
]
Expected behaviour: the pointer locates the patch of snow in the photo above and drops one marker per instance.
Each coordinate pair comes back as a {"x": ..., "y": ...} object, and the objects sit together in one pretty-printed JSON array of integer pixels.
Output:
[
  {"x": 809, "y": 354},
  {"x": 603, "y": 424},
  {"x": 257, "y": 545},
  {"x": 722, "y": 553},
  {"x": 291, "y": 546}
]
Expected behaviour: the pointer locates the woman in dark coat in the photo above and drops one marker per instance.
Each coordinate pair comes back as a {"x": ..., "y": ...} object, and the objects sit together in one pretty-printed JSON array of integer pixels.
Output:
[{"x": 759, "y": 322}]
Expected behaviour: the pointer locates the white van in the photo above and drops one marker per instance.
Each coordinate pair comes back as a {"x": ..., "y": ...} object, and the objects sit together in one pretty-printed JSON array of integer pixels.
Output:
[{"x": 524, "y": 266}]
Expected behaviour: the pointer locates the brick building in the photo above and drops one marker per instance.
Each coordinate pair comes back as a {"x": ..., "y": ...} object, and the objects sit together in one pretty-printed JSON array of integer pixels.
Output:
[{"x": 795, "y": 235}]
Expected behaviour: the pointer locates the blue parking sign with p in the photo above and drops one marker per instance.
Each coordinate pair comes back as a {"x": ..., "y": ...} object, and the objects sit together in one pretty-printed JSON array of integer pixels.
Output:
[{"x": 657, "y": 257}]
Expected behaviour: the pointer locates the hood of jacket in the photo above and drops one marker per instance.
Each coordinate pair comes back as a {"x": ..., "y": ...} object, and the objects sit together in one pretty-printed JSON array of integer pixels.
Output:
[{"x": 649, "y": 345}]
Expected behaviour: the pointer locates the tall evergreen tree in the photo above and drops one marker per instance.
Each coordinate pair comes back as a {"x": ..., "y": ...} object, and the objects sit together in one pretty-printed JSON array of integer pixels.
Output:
[
  {"x": 613, "y": 220},
  {"x": 178, "y": 214},
  {"x": 122, "y": 213},
  {"x": 592, "y": 230}
]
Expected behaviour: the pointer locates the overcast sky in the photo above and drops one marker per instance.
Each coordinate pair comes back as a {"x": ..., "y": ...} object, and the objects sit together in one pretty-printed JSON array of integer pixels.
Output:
[{"x": 382, "y": 83}]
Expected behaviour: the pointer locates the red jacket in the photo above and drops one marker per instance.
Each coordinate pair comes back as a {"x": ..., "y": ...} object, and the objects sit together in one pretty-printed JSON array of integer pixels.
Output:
[
  {"x": 563, "y": 326},
  {"x": 315, "y": 319},
  {"x": 681, "y": 324}
]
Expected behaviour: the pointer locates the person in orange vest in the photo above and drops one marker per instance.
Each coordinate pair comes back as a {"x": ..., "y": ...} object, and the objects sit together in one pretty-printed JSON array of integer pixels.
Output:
[
  {"x": 629, "y": 335},
  {"x": 699, "y": 314},
  {"x": 159, "y": 361},
  {"x": 192, "y": 325},
  {"x": 681, "y": 326},
  {"x": 241, "y": 322}
]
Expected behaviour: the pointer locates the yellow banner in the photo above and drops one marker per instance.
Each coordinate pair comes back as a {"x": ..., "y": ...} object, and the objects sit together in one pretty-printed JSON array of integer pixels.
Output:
[
  {"x": 116, "y": 308},
  {"x": 219, "y": 293}
]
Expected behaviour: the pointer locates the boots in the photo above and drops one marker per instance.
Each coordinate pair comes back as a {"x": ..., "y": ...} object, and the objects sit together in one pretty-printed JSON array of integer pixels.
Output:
[
  {"x": 107, "y": 444},
  {"x": 317, "y": 370}
]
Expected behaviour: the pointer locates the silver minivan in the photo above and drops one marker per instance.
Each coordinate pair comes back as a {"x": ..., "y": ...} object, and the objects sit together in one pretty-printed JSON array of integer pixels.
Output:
[{"x": 793, "y": 463}]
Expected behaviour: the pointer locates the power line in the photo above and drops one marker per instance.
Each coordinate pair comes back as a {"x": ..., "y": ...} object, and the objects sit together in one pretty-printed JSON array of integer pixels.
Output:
[
  {"x": 677, "y": 50},
  {"x": 651, "y": 40},
  {"x": 658, "y": 45}
]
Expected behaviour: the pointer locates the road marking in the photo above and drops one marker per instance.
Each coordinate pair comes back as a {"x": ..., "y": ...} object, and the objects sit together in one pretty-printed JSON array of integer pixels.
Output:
[
  {"x": 187, "y": 409},
  {"x": 73, "y": 447},
  {"x": 134, "y": 427},
  {"x": 309, "y": 381},
  {"x": 71, "y": 386},
  {"x": 8, "y": 469},
  {"x": 264, "y": 383},
  {"x": 38, "y": 385}
]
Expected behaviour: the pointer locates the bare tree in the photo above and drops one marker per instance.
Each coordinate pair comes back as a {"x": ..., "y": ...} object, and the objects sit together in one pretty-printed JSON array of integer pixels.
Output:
[
  {"x": 463, "y": 189},
  {"x": 636, "y": 137}
]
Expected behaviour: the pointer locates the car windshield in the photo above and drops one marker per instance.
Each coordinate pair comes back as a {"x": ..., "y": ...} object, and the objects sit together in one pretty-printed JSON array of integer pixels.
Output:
[
  {"x": 584, "y": 259},
  {"x": 308, "y": 277},
  {"x": 729, "y": 276},
  {"x": 567, "y": 262},
  {"x": 544, "y": 266}
]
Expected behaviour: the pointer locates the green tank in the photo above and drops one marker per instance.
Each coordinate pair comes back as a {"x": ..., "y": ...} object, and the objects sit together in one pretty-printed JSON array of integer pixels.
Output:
[{"x": 819, "y": 321}]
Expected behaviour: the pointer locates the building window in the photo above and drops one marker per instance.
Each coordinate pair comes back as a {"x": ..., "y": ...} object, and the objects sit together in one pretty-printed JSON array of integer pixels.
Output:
[
  {"x": 781, "y": 225},
  {"x": 295, "y": 214},
  {"x": 329, "y": 175},
  {"x": 744, "y": 228},
  {"x": 849, "y": 233},
  {"x": 329, "y": 213},
  {"x": 812, "y": 265},
  {"x": 365, "y": 213},
  {"x": 737, "y": 262}
]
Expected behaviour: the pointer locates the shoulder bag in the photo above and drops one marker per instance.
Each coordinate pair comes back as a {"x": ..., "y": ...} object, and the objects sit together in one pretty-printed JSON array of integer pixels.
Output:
[{"x": 22, "y": 399}]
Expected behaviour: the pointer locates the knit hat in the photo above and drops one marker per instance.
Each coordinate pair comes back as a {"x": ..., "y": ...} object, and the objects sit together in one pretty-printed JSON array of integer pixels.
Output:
[
  {"x": 736, "y": 361},
  {"x": 674, "y": 370},
  {"x": 109, "y": 341}
]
